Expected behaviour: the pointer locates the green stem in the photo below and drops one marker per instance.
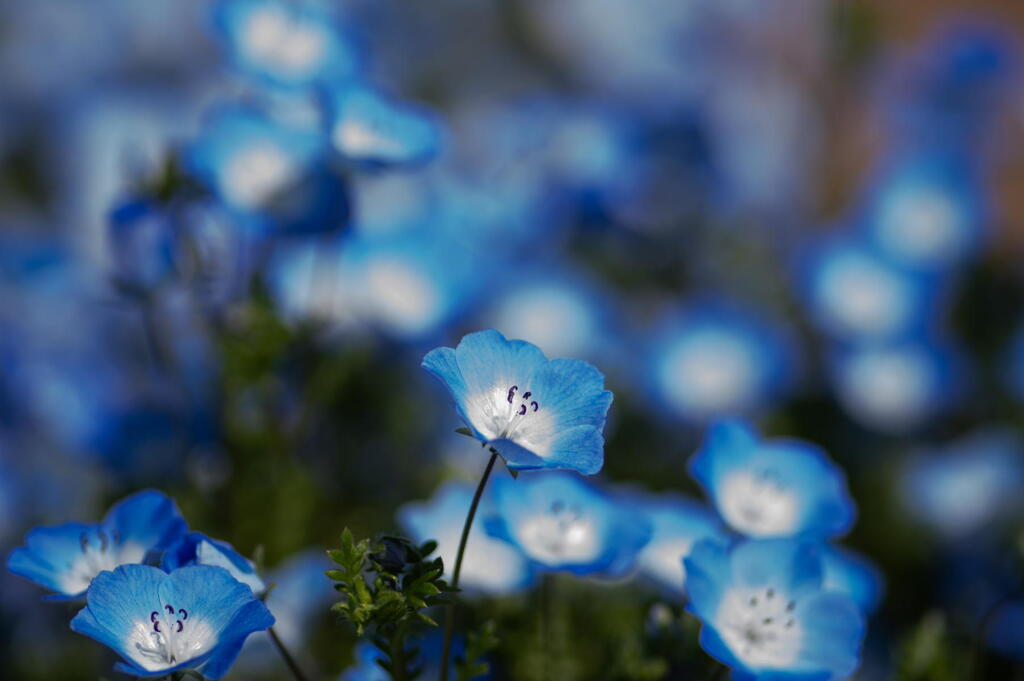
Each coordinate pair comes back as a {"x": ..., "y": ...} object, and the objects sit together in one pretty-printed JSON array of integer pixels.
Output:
[
  {"x": 449, "y": 621},
  {"x": 288, "y": 659}
]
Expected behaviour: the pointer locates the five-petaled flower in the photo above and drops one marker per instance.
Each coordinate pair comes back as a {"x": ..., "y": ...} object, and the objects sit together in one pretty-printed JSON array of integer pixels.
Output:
[
  {"x": 766, "y": 614},
  {"x": 66, "y": 558},
  {"x": 535, "y": 412},
  {"x": 196, "y": 617}
]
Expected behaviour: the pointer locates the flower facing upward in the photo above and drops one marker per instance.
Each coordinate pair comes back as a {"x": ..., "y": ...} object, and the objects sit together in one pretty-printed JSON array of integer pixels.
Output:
[
  {"x": 765, "y": 613},
  {"x": 535, "y": 412},
  {"x": 196, "y": 617},
  {"x": 66, "y": 558}
]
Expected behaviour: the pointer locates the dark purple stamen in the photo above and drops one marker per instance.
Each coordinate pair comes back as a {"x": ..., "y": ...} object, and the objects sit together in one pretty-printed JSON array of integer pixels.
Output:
[
  {"x": 511, "y": 392},
  {"x": 183, "y": 614},
  {"x": 103, "y": 541},
  {"x": 83, "y": 540},
  {"x": 526, "y": 395},
  {"x": 169, "y": 609},
  {"x": 153, "y": 615},
  {"x": 535, "y": 405},
  {"x": 180, "y": 626},
  {"x": 522, "y": 409},
  {"x": 156, "y": 626}
]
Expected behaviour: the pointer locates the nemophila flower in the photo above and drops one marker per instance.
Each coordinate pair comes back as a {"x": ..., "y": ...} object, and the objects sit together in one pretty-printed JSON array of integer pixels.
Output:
[
  {"x": 852, "y": 574},
  {"x": 564, "y": 314},
  {"x": 66, "y": 558},
  {"x": 196, "y": 617},
  {"x": 896, "y": 387},
  {"x": 489, "y": 565},
  {"x": 772, "y": 488},
  {"x": 287, "y": 44},
  {"x": 926, "y": 212},
  {"x": 854, "y": 293},
  {"x": 196, "y": 548},
  {"x": 142, "y": 243},
  {"x": 765, "y": 613},
  {"x": 677, "y": 524},
  {"x": 963, "y": 487},
  {"x": 535, "y": 412},
  {"x": 560, "y": 522},
  {"x": 716, "y": 359},
  {"x": 369, "y": 128},
  {"x": 268, "y": 172}
]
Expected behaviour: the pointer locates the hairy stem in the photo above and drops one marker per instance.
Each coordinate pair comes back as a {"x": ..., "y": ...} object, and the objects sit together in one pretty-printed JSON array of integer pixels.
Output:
[{"x": 293, "y": 666}]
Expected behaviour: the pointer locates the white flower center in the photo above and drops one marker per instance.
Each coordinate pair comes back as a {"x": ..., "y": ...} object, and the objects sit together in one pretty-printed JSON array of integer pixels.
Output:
[
  {"x": 401, "y": 295},
  {"x": 663, "y": 560},
  {"x": 863, "y": 295},
  {"x": 99, "y": 552},
  {"x": 758, "y": 503},
  {"x": 256, "y": 174},
  {"x": 561, "y": 535},
  {"x": 760, "y": 627},
  {"x": 168, "y": 637},
  {"x": 923, "y": 225},
  {"x": 276, "y": 38},
  {"x": 710, "y": 373}
]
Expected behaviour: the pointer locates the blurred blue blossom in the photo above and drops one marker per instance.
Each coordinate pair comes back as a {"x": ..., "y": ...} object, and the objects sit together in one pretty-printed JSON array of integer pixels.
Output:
[
  {"x": 536, "y": 412},
  {"x": 286, "y": 44},
  {"x": 369, "y": 128},
  {"x": 562, "y": 523},
  {"x": 196, "y": 617},
  {"x": 196, "y": 548},
  {"x": 489, "y": 565},
  {"x": 983, "y": 472},
  {"x": 677, "y": 523},
  {"x": 766, "y": 614},
  {"x": 66, "y": 558},
  {"x": 772, "y": 488},
  {"x": 852, "y": 574}
]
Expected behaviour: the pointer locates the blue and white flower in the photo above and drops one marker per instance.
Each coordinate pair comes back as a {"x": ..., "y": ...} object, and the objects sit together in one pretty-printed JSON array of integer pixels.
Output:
[
  {"x": 287, "y": 44},
  {"x": 270, "y": 173},
  {"x": 852, "y": 574},
  {"x": 677, "y": 523},
  {"x": 196, "y": 617},
  {"x": 489, "y": 565},
  {"x": 195, "y": 548},
  {"x": 766, "y": 614},
  {"x": 368, "y": 128},
  {"x": 714, "y": 359},
  {"x": 772, "y": 488},
  {"x": 562, "y": 523},
  {"x": 66, "y": 558},
  {"x": 535, "y": 412},
  {"x": 896, "y": 387}
]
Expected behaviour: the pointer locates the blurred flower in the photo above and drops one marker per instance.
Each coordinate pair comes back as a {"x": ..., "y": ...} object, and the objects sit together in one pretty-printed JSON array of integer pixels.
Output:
[
  {"x": 196, "y": 548},
  {"x": 536, "y": 412},
  {"x": 562, "y": 523},
  {"x": 677, "y": 524},
  {"x": 715, "y": 359},
  {"x": 983, "y": 472},
  {"x": 286, "y": 44},
  {"x": 852, "y": 574},
  {"x": 772, "y": 488},
  {"x": 489, "y": 565},
  {"x": 368, "y": 128},
  {"x": 766, "y": 614},
  {"x": 196, "y": 617},
  {"x": 855, "y": 294},
  {"x": 270, "y": 173},
  {"x": 895, "y": 388},
  {"x": 925, "y": 212},
  {"x": 366, "y": 667},
  {"x": 142, "y": 241},
  {"x": 66, "y": 558}
]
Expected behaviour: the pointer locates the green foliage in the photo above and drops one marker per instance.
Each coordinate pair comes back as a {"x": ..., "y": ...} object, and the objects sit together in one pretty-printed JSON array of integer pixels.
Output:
[
  {"x": 926, "y": 653},
  {"x": 386, "y": 584},
  {"x": 479, "y": 644}
]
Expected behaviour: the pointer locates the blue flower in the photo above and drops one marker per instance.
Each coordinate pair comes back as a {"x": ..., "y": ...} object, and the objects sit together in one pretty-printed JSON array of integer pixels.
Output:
[
  {"x": 66, "y": 558},
  {"x": 982, "y": 472},
  {"x": 852, "y": 574},
  {"x": 367, "y": 664},
  {"x": 715, "y": 359},
  {"x": 896, "y": 387},
  {"x": 489, "y": 565},
  {"x": 369, "y": 128},
  {"x": 286, "y": 44},
  {"x": 196, "y": 548},
  {"x": 536, "y": 412},
  {"x": 142, "y": 241},
  {"x": 765, "y": 613},
  {"x": 562, "y": 523},
  {"x": 772, "y": 488},
  {"x": 273, "y": 175},
  {"x": 196, "y": 617},
  {"x": 677, "y": 523},
  {"x": 854, "y": 293}
]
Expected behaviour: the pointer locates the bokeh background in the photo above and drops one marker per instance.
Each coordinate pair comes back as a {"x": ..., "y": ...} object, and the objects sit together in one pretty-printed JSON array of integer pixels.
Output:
[{"x": 801, "y": 212}]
